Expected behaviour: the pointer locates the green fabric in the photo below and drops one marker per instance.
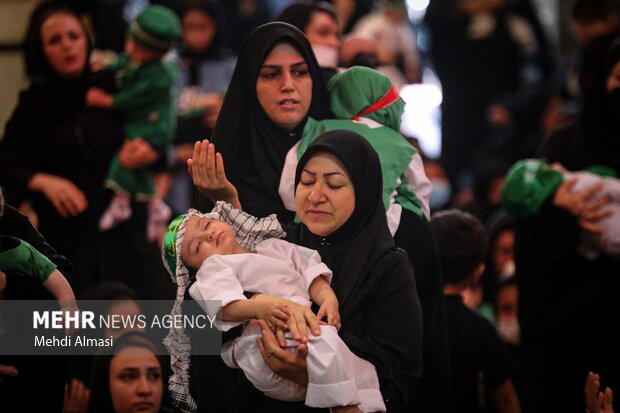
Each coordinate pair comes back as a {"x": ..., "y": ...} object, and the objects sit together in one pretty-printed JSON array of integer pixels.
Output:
[
  {"x": 351, "y": 92},
  {"x": 394, "y": 152},
  {"x": 147, "y": 97},
  {"x": 170, "y": 243},
  {"x": 25, "y": 260},
  {"x": 357, "y": 89},
  {"x": 602, "y": 170},
  {"x": 528, "y": 185},
  {"x": 156, "y": 28},
  {"x": 136, "y": 182}
]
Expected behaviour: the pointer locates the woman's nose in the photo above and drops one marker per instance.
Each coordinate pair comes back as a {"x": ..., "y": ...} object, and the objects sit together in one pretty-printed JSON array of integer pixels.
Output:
[
  {"x": 317, "y": 194},
  {"x": 287, "y": 82},
  {"x": 144, "y": 387}
]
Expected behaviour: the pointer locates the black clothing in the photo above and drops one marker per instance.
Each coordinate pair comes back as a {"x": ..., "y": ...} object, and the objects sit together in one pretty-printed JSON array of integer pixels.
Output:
[
  {"x": 379, "y": 307},
  {"x": 564, "y": 299},
  {"x": 473, "y": 73},
  {"x": 50, "y": 386},
  {"x": 299, "y": 14},
  {"x": 372, "y": 280},
  {"x": 253, "y": 147},
  {"x": 414, "y": 235},
  {"x": 52, "y": 131},
  {"x": 475, "y": 347}
]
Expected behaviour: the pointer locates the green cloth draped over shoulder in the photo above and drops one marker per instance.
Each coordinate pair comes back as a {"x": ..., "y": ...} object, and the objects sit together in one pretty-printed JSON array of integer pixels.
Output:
[{"x": 352, "y": 92}]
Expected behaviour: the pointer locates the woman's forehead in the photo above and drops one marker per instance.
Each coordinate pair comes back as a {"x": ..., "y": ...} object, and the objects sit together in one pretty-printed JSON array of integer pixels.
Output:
[
  {"x": 327, "y": 162},
  {"x": 283, "y": 48}
]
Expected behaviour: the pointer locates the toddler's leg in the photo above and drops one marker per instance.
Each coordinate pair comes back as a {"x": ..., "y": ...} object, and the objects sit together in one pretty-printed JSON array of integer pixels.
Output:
[
  {"x": 337, "y": 377},
  {"x": 158, "y": 216},
  {"x": 118, "y": 211}
]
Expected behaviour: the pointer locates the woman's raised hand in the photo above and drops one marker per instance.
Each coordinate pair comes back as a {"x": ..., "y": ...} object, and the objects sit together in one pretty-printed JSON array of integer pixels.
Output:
[
  {"x": 206, "y": 167},
  {"x": 597, "y": 401},
  {"x": 582, "y": 205},
  {"x": 67, "y": 198}
]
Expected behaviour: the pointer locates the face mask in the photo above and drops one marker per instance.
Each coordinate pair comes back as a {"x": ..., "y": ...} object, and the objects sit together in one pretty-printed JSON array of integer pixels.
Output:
[
  {"x": 507, "y": 272},
  {"x": 441, "y": 193},
  {"x": 613, "y": 100},
  {"x": 326, "y": 56},
  {"x": 509, "y": 330}
]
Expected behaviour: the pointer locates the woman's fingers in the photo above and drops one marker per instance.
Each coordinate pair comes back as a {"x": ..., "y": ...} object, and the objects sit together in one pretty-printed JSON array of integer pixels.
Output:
[
  {"x": 591, "y": 192},
  {"x": 608, "y": 401},
  {"x": 313, "y": 323},
  {"x": 281, "y": 337},
  {"x": 219, "y": 165},
  {"x": 211, "y": 173}
]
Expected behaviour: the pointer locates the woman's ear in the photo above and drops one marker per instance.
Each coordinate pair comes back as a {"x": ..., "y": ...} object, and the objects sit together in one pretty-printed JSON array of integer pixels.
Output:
[{"x": 476, "y": 274}]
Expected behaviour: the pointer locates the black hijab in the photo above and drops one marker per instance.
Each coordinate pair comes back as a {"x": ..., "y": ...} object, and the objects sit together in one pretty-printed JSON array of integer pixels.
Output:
[
  {"x": 300, "y": 14},
  {"x": 600, "y": 126},
  {"x": 217, "y": 48},
  {"x": 353, "y": 249},
  {"x": 253, "y": 146},
  {"x": 51, "y": 96}
]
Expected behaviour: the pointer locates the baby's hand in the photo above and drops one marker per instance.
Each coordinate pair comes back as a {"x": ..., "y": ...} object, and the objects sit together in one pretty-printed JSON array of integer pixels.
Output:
[
  {"x": 329, "y": 308},
  {"x": 98, "y": 98},
  {"x": 274, "y": 314},
  {"x": 97, "y": 65}
]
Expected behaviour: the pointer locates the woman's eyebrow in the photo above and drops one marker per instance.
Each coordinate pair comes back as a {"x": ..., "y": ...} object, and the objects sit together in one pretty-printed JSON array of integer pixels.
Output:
[
  {"x": 130, "y": 370},
  {"x": 294, "y": 65}
]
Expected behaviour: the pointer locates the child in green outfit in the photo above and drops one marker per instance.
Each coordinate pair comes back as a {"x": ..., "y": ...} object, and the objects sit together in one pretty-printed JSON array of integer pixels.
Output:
[
  {"x": 19, "y": 257},
  {"x": 146, "y": 97},
  {"x": 531, "y": 183}
]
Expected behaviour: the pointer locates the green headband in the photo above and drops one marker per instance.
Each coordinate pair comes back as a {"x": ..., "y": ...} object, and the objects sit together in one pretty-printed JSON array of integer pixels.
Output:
[{"x": 170, "y": 243}]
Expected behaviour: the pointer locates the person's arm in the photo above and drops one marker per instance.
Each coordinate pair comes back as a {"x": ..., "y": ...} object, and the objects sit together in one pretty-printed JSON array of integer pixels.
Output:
[
  {"x": 21, "y": 151},
  {"x": 18, "y": 225},
  {"x": 271, "y": 310},
  {"x": 300, "y": 317},
  {"x": 206, "y": 167},
  {"x": 322, "y": 294},
  {"x": 64, "y": 195},
  {"x": 505, "y": 397},
  {"x": 59, "y": 287}
]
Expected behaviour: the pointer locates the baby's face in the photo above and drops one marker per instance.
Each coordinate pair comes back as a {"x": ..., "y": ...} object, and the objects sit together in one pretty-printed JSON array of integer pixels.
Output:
[{"x": 205, "y": 237}]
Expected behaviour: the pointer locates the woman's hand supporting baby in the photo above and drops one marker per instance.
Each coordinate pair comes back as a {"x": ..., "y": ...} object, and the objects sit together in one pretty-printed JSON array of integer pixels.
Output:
[
  {"x": 582, "y": 204},
  {"x": 299, "y": 317}
]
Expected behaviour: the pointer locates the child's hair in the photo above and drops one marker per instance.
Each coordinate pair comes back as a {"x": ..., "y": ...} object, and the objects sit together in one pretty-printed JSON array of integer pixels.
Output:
[{"x": 462, "y": 243}]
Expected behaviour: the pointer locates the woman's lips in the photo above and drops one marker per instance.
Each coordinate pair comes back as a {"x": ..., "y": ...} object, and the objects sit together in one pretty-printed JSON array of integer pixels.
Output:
[
  {"x": 288, "y": 103},
  {"x": 317, "y": 213},
  {"x": 143, "y": 406}
]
